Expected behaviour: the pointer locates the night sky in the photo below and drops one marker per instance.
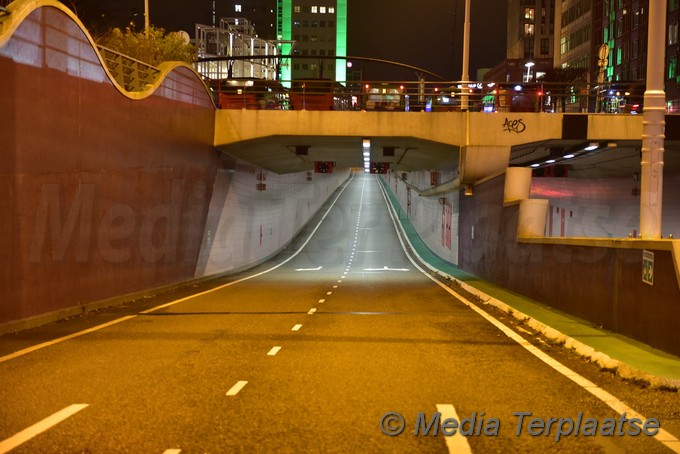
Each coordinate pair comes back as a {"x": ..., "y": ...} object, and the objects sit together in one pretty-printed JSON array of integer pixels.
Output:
[{"x": 426, "y": 34}]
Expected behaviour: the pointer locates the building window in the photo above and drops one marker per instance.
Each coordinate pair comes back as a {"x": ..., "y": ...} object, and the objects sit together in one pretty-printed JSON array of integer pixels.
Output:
[
  {"x": 528, "y": 29},
  {"x": 545, "y": 46},
  {"x": 296, "y": 9},
  {"x": 237, "y": 8},
  {"x": 331, "y": 10},
  {"x": 673, "y": 34},
  {"x": 315, "y": 9},
  {"x": 322, "y": 9},
  {"x": 673, "y": 5},
  {"x": 529, "y": 14},
  {"x": 672, "y": 68}
]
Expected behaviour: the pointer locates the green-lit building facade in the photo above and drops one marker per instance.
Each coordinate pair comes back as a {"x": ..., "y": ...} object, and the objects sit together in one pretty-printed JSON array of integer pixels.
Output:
[{"x": 316, "y": 32}]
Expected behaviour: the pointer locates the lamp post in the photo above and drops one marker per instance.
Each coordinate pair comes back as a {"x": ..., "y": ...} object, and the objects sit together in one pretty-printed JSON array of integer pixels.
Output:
[
  {"x": 465, "y": 77},
  {"x": 653, "y": 125},
  {"x": 146, "y": 18},
  {"x": 529, "y": 65}
]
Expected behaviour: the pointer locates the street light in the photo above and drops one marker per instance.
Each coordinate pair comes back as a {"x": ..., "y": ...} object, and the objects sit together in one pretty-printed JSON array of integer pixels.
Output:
[
  {"x": 146, "y": 18},
  {"x": 529, "y": 65}
]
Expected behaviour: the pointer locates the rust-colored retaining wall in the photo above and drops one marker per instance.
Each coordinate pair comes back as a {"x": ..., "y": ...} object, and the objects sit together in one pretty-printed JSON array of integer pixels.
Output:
[
  {"x": 599, "y": 284},
  {"x": 102, "y": 195}
]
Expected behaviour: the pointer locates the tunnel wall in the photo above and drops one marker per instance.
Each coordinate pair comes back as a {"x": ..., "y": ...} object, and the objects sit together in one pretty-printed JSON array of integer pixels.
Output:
[
  {"x": 603, "y": 208},
  {"x": 600, "y": 284},
  {"x": 435, "y": 218},
  {"x": 103, "y": 195},
  {"x": 108, "y": 193},
  {"x": 255, "y": 213}
]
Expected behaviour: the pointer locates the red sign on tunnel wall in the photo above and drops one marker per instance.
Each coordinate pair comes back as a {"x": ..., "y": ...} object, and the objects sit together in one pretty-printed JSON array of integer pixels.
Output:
[
  {"x": 323, "y": 166},
  {"x": 447, "y": 214},
  {"x": 380, "y": 167}
]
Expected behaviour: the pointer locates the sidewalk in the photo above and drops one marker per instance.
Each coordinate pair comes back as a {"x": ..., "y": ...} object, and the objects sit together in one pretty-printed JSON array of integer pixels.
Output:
[{"x": 630, "y": 358}]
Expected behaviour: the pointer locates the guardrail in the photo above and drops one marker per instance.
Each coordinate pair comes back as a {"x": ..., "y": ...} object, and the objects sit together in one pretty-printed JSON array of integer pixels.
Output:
[
  {"x": 321, "y": 94},
  {"x": 131, "y": 74}
]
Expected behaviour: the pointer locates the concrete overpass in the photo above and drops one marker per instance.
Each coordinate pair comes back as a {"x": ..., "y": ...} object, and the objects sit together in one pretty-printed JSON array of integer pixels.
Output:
[{"x": 474, "y": 144}]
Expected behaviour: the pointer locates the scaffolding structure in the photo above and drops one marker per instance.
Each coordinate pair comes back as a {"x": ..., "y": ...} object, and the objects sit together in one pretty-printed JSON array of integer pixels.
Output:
[{"x": 235, "y": 37}]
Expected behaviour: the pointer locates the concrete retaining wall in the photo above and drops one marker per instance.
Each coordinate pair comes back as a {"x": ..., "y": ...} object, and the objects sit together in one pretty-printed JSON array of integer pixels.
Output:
[
  {"x": 255, "y": 213},
  {"x": 602, "y": 284}
]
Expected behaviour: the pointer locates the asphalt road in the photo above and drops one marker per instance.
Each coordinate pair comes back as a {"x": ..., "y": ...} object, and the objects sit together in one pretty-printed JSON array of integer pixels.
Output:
[{"x": 310, "y": 356}]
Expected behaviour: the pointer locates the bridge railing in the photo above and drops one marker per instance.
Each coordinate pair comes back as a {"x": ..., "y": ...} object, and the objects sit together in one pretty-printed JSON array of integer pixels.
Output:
[
  {"x": 417, "y": 96},
  {"x": 131, "y": 74}
]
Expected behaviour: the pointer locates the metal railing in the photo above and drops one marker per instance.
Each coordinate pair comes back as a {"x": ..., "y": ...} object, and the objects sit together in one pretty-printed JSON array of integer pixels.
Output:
[
  {"x": 131, "y": 74},
  {"x": 418, "y": 96}
]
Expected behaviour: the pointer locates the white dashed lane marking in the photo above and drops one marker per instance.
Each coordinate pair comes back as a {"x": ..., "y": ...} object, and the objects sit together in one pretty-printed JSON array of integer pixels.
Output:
[{"x": 236, "y": 388}]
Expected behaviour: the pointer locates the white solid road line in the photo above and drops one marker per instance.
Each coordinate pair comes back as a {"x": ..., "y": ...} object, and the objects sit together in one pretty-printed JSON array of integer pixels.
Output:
[
  {"x": 39, "y": 427},
  {"x": 662, "y": 436},
  {"x": 172, "y": 303},
  {"x": 274, "y": 351},
  {"x": 296, "y": 327},
  {"x": 64, "y": 338},
  {"x": 456, "y": 443},
  {"x": 236, "y": 388}
]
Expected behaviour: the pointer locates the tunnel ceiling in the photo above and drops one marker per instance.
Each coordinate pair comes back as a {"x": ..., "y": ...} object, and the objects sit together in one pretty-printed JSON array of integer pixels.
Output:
[
  {"x": 611, "y": 159},
  {"x": 288, "y": 154}
]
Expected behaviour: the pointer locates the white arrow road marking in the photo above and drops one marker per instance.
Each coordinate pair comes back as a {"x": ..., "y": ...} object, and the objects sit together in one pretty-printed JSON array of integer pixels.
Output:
[
  {"x": 309, "y": 269},
  {"x": 384, "y": 268}
]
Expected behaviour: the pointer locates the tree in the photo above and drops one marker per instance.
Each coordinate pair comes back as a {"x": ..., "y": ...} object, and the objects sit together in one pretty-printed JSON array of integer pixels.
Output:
[{"x": 159, "y": 47}]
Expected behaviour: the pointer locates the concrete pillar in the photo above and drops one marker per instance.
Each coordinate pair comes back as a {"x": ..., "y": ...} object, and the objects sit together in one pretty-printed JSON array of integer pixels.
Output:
[
  {"x": 481, "y": 161},
  {"x": 517, "y": 184},
  {"x": 653, "y": 125},
  {"x": 532, "y": 218}
]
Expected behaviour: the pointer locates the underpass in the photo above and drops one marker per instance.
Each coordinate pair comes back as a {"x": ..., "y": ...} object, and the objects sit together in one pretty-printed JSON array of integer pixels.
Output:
[{"x": 309, "y": 352}]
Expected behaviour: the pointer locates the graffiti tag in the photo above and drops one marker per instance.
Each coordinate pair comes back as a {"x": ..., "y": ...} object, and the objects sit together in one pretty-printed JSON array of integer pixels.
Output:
[{"x": 516, "y": 126}]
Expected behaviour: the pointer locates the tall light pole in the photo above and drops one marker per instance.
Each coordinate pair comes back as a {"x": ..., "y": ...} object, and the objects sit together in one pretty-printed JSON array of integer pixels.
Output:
[
  {"x": 146, "y": 18},
  {"x": 653, "y": 125},
  {"x": 465, "y": 77}
]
